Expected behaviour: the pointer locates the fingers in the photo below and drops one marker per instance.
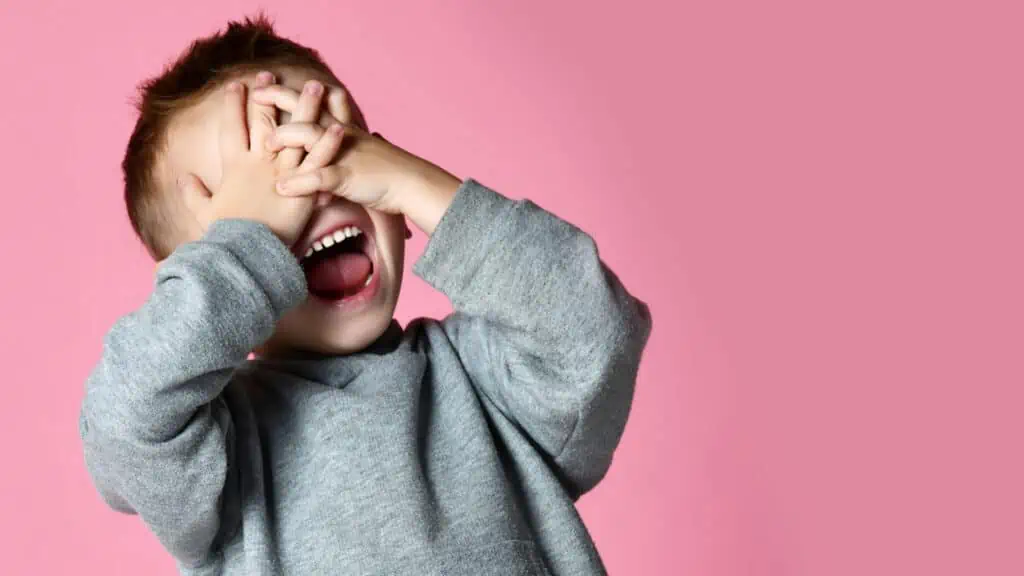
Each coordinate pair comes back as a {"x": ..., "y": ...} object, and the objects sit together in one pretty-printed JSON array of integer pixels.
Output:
[
  {"x": 337, "y": 105},
  {"x": 322, "y": 145},
  {"x": 287, "y": 100},
  {"x": 295, "y": 135},
  {"x": 306, "y": 110},
  {"x": 262, "y": 117},
  {"x": 280, "y": 97},
  {"x": 305, "y": 183},
  {"x": 326, "y": 148},
  {"x": 234, "y": 135}
]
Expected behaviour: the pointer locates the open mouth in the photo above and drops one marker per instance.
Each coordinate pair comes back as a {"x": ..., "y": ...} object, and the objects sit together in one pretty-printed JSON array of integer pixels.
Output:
[{"x": 339, "y": 266}]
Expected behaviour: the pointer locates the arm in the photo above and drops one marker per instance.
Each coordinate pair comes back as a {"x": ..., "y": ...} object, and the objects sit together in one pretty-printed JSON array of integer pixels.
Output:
[
  {"x": 546, "y": 331},
  {"x": 157, "y": 434},
  {"x": 157, "y": 439}
]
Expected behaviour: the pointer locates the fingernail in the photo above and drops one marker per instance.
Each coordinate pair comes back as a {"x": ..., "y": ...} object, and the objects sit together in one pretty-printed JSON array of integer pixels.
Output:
[
  {"x": 265, "y": 77},
  {"x": 313, "y": 87},
  {"x": 233, "y": 86},
  {"x": 282, "y": 186},
  {"x": 335, "y": 129}
]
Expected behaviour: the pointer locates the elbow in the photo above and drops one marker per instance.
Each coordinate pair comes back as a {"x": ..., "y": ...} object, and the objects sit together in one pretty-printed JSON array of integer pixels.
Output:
[
  {"x": 586, "y": 456},
  {"x": 631, "y": 323},
  {"x": 584, "y": 463},
  {"x": 178, "y": 499},
  {"x": 605, "y": 401},
  {"x": 101, "y": 465}
]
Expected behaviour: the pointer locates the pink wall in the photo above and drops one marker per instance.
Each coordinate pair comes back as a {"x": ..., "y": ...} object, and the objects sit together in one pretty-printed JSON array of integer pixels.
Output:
[{"x": 822, "y": 206}]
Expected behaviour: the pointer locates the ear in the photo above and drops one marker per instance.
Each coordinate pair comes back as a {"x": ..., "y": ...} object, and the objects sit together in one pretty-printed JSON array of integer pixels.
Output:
[{"x": 194, "y": 193}]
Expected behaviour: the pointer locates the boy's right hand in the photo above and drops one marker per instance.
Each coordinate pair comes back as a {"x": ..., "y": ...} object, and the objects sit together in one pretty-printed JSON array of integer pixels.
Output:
[{"x": 249, "y": 170}]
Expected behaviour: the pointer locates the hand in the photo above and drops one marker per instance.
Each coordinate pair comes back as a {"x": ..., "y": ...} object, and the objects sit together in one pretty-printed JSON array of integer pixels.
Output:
[
  {"x": 340, "y": 109},
  {"x": 370, "y": 171},
  {"x": 250, "y": 168}
]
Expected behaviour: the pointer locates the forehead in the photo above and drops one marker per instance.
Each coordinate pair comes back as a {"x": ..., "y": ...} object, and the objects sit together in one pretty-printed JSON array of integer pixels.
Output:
[{"x": 192, "y": 135}]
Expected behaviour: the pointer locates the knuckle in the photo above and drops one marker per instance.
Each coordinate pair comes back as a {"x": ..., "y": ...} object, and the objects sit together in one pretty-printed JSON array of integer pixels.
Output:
[{"x": 267, "y": 120}]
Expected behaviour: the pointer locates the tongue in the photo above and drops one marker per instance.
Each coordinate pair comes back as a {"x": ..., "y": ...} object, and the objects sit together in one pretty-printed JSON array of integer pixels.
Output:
[{"x": 339, "y": 275}]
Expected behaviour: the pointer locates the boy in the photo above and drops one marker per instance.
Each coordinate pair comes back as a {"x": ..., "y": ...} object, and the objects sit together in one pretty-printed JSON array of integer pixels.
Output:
[{"x": 347, "y": 445}]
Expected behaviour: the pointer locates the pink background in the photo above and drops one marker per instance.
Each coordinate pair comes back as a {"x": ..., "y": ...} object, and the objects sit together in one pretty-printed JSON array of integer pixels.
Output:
[{"x": 821, "y": 204}]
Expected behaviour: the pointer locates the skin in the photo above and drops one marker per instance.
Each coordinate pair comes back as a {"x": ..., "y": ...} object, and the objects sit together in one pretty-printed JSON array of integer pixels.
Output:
[{"x": 227, "y": 157}]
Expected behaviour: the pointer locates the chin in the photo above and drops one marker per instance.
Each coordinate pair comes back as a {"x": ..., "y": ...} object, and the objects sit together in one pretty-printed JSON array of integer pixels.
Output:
[
  {"x": 324, "y": 327},
  {"x": 350, "y": 335}
]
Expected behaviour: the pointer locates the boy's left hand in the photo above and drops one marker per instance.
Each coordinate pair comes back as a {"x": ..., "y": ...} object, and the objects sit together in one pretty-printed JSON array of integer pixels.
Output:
[{"x": 370, "y": 170}]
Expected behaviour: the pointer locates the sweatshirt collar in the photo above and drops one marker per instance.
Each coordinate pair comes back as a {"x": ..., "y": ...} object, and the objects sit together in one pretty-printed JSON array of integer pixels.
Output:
[{"x": 339, "y": 370}]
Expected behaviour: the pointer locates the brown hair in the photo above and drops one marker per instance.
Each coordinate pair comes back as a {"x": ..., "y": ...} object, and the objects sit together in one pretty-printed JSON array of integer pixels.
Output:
[{"x": 243, "y": 47}]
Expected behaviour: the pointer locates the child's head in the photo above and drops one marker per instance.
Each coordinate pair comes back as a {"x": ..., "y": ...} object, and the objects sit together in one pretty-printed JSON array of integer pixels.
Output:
[{"x": 177, "y": 133}]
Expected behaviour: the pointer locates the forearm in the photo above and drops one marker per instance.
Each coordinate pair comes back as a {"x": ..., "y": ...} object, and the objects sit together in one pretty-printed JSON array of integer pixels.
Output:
[
  {"x": 548, "y": 333},
  {"x": 518, "y": 265},
  {"x": 426, "y": 194},
  {"x": 214, "y": 301},
  {"x": 155, "y": 432}
]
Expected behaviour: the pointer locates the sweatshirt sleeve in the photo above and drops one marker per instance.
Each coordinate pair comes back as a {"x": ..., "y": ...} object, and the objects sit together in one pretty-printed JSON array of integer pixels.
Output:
[
  {"x": 546, "y": 331},
  {"x": 157, "y": 435}
]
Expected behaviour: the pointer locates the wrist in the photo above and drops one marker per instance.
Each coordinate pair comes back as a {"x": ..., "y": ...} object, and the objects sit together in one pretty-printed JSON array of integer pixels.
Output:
[{"x": 427, "y": 195}]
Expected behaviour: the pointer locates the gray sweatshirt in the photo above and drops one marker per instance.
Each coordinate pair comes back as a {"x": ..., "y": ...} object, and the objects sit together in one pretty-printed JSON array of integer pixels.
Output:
[{"x": 453, "y": 447}]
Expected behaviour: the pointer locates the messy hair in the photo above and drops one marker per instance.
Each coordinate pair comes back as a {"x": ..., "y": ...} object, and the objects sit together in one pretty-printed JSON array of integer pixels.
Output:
[{"x": 244, "y": 47}]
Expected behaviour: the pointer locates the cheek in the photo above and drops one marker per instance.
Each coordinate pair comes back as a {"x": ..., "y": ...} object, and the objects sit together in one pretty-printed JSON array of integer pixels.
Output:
[{"x": 391, "y": 236}]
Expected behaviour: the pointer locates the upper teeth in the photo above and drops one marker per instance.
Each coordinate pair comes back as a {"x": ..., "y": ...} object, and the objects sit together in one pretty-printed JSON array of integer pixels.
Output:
[{"x": 333, "y": 238}]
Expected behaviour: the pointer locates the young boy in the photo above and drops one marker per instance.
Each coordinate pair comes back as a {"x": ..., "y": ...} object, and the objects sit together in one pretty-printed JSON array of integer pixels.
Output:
[{"x": 348, "y": 445}]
